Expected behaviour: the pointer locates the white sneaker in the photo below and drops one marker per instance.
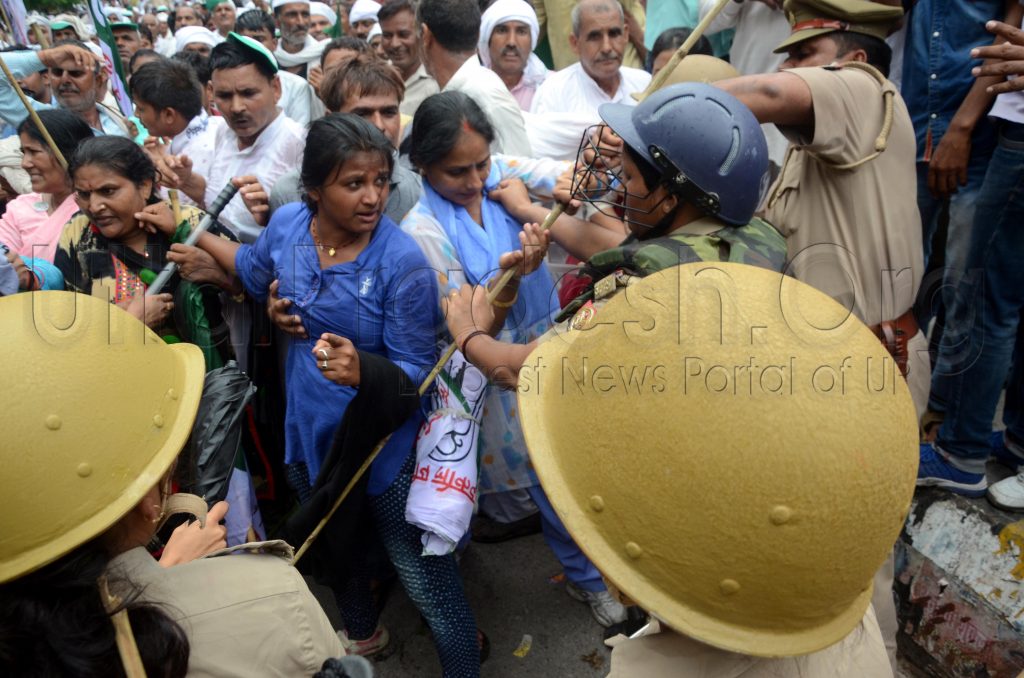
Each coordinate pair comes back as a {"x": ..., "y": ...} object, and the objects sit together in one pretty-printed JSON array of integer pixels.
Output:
[
  {"x": 603, "y": 606},
  {"x": 1008, "y": 494}
]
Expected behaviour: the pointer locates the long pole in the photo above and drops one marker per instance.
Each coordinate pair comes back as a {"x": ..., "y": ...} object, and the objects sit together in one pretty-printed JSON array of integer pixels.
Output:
[
  {"x": 492, "y": 294},
  {"x": 683, "y": 50},
  {"x": 32, "y": 114}
]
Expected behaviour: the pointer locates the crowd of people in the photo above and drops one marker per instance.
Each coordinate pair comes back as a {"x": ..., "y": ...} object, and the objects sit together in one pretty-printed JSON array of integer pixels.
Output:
[{"x": 389, "y": 168}]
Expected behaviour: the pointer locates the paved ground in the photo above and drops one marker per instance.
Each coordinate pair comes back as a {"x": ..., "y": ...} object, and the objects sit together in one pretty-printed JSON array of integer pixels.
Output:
[{"x": 515, "y": 591}]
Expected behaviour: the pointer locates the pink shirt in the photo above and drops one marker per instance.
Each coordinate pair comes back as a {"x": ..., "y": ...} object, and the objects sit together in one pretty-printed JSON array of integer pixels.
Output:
[
  {"x": 523, "y": 93},
  {"x": 28, "y": 230}
]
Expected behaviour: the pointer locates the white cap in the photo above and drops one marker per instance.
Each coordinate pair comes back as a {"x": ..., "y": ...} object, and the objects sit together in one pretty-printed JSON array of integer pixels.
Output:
[
  {"x": 282, "y": 3},
  {"x": 186, "y": 35},
  {"x": 363, "y": 9},
  {"x": 324, "y": 10},
  {"x": 161, "y": 17},
  {"x": 374, "y": 32}
]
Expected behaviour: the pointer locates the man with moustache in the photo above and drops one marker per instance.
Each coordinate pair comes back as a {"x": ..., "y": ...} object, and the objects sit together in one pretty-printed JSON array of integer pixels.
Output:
[
  {"x": 508, "y": 35},
  {"x": 77, "y": 79},
  {"x": 296, "y": 49},
  {"x": 397, "y": 20},
  {"x": 258, "y": 144},
  {"x": 298, "y": 98},
  {"x": 449, "y": 31},
  {"x": 253, "y": 150},
  {"x": 599, "y": 39}
]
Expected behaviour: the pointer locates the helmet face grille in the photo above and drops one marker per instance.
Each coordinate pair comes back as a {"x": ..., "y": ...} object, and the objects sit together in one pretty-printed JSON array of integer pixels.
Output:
[{"x": 597, "y": 179}]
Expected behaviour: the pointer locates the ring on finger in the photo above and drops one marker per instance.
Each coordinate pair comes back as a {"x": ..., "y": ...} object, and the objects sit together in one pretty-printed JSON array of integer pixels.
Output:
[
  {"x": 323, "y": 354},
  {"x": 323, "y": 365}
]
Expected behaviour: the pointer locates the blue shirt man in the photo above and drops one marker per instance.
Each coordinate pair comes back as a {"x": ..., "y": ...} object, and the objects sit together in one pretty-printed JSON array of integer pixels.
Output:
[{"x": 954, "y": 137}]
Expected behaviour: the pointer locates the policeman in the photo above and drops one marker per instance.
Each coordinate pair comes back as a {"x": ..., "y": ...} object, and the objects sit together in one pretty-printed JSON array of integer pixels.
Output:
[
  {"x": 845, "y": 199},
  {"x": 693, "y": 170},
  {"x": 732, "y": 477},
  {"x": 96, "y": 409},
  {"x": 846, "y": 196}
]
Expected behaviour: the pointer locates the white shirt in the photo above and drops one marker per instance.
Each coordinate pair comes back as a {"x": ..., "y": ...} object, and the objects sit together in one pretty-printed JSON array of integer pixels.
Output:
[
  {"x": 566, "y": 103},
  {"x": 486, "y": 88},
  {"x": 759, "y": 30},
  {"x": 298, "y": 99},
  {"x": 197, "y": 141},
  {"x": 571, "y": 90},
  {"x": 166, "y": 45},
  {"x": 278, "y": 149}
]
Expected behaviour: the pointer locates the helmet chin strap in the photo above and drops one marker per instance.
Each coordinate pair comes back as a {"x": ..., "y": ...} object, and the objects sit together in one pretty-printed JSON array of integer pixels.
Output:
[{"x": 659, "y": 229}]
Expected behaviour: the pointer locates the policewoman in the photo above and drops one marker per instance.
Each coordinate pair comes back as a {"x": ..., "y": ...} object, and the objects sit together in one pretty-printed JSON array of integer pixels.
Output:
[{"x": 88, "y": 463}]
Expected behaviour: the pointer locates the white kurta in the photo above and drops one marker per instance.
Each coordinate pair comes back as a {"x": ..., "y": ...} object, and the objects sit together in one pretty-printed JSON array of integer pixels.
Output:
[
  {"x": 278, "y": 149},
  {"x": 197, "y": 141},
  {"x": 298, "y": 99},
  {"x": 571, "y": 90},
  {"x": 486, "y": 88}
]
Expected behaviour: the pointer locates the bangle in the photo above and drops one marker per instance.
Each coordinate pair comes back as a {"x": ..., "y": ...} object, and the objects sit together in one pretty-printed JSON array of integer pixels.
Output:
[
  {"x": 475, "y": 333},
  {"x": 506, "y": 304}
]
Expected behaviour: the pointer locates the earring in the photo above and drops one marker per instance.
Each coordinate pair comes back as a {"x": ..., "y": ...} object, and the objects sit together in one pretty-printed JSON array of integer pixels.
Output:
[{"x": 160, "y": 515}]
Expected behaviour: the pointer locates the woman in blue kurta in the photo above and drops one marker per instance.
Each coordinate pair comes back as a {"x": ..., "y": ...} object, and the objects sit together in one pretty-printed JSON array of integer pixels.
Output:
[
  {"x": 356, "y": 281},
  {"x": 463, "y": 232}
]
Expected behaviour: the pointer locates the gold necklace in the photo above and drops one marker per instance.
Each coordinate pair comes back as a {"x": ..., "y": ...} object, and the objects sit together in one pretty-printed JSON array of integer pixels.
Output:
[{"x": 321, "y": 246}]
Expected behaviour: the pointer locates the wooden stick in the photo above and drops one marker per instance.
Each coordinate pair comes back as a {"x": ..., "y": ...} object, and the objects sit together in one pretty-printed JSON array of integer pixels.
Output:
[
  {"x": 32, "y": 114},
  {"x": 492, "y": 294},
  {"x": 131, "y": 660},
  {"x": 172, "y": 193},
  {"x": 40, "y": 36},
  {"x": 683, "y": 50}
]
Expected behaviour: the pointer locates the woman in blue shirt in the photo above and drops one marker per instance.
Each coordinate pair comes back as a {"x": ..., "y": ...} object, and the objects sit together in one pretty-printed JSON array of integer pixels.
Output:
[{"x": 356, "y": 281}]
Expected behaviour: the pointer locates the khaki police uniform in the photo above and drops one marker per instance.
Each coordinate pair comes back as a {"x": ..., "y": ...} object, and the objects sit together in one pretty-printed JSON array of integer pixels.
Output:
[
  {"x": 861, "y": 654},
  {"x": 245, "y": 614},
  {"x": 846, "y": 199}
]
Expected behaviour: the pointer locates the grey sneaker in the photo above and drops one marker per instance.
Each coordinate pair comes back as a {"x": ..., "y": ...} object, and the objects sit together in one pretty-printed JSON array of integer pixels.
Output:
[
  {"x": 603, "y": 606},
  {"x": 1008, "y": 494}
]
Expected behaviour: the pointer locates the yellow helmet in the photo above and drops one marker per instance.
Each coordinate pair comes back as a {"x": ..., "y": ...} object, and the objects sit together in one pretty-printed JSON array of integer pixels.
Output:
[
  {"x": 731, "y": 448},
  {"x": 695, "y": 68},
  {"x": 700, "y": 68},
  {"x": 96, "y": 408}
]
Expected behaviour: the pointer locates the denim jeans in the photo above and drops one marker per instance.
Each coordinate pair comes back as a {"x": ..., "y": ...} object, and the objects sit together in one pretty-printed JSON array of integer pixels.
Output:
[
  {"x": 939, "y": 286},
  {"x": 977, "y": 348},
  {"x": 433, "y": 583}
]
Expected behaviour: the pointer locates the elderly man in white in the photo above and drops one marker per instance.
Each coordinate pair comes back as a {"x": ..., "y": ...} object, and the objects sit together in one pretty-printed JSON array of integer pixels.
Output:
[
  {"x": 508, "y": 36},
  {"x": 297, "y": 50},
  {"x": 196, "y": 39},
  {"x": 599, "y": 39}
]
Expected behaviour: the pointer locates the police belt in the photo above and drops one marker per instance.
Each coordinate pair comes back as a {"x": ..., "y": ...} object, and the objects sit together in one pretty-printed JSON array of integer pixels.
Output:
[{"x": 895, "y": 334}]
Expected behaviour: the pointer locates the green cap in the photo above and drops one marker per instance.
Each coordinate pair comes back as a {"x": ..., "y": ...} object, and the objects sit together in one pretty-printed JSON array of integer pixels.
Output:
[
  {"x": 811, "y": 18},
  {"x": 251, "y": 44},
  {"x": 124, "y": 24},
  {"x": 212, "y": 4},
  {"x": 59, "y": 25}
]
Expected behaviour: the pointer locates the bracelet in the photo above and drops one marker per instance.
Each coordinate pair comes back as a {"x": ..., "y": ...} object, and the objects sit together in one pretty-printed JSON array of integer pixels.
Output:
[
  {"x": 506, "y": 304},
  {"x": 475, "y": 333}
]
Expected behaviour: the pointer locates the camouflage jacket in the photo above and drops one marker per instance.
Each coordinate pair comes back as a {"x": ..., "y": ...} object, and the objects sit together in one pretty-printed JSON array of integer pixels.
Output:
[{"x": 757, "y": 243}]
